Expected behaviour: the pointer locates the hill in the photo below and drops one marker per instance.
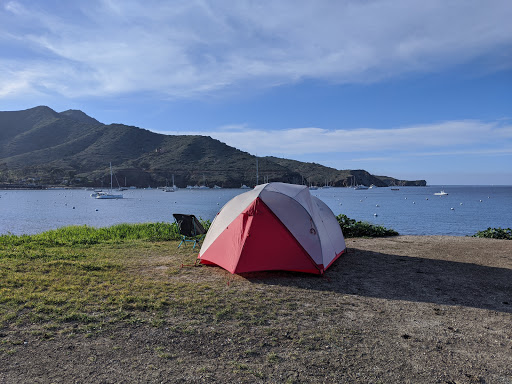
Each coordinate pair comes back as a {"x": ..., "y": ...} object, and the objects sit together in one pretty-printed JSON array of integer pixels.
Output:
[
  {"x": 317, "y": 174},
  {"x": 42, "y": 146}
]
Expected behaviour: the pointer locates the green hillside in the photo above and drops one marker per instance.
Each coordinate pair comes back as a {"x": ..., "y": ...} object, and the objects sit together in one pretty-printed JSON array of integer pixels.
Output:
[{"x": 41, "y": 146}]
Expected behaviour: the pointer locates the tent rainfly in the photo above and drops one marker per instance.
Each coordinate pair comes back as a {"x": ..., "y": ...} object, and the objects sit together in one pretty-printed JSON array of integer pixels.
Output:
[{"x": 275, "y": 226}]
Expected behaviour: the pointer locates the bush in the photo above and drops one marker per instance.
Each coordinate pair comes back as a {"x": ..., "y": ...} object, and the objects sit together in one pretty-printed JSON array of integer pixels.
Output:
[
  {"x": 353, "y": 228},
  {"x": 495, "y": 233},
  {"x": 205, "y": 223}
]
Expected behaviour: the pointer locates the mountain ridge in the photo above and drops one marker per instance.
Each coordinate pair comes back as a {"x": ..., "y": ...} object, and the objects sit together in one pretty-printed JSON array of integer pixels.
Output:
[{"x": 43, "y": 146}]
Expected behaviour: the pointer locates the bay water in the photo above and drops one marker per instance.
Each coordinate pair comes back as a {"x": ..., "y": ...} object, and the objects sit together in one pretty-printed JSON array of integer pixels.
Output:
[{"x": 409, "y": 210}]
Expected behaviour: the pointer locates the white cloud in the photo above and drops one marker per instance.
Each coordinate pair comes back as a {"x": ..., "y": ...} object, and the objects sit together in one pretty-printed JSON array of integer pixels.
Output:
[
  {"x": 408, "y": 156},
  {"x": 446, "y": 138},
  {"x": 187, "y": 48},
  {"x": 233, "y": 127}
]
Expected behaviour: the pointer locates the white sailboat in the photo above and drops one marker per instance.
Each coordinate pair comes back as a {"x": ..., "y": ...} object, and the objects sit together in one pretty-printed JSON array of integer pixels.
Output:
[
  {"x": 109, "y": 194},
  {"x": 167, "y": 187}
]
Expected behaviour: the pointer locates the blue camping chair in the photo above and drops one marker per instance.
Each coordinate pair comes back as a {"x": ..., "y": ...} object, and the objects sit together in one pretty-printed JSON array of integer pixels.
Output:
[{"x": 191, "y": 230}]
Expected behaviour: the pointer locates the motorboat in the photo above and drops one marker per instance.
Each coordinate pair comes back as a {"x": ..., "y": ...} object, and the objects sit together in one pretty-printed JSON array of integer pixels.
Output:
[
  {"x": 442, "y": 193},
  {"x": 360, "y": 187}
]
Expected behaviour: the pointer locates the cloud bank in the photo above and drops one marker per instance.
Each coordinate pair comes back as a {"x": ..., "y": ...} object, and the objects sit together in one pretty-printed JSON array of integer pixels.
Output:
[
  {"x": 446, "y": 138},
  {"x": 191, "y": 48}
]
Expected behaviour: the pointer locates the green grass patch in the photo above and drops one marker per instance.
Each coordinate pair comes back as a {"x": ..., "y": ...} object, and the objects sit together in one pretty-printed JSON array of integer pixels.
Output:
[
  {"x": 85, "y": 235},
  {"x": 76, "y": 285}
]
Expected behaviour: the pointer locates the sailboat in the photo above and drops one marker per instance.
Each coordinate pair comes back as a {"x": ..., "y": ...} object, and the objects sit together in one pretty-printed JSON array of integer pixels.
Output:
[
  {"x": 109, "y": 194},
  {"x": 167, "y": 188},
  {"x": 125, "y": 188}
]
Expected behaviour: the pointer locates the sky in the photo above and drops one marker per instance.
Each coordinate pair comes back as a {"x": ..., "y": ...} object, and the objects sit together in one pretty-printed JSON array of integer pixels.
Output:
[{"x": 411, "y": 89}]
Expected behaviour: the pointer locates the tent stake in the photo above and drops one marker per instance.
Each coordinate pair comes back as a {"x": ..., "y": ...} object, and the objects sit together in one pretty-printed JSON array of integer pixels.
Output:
[{"x": 191, "y": 265}]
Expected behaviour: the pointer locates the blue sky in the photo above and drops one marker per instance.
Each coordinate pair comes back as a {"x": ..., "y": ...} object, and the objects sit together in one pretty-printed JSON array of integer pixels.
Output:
[{"x": 405, "y": 88}]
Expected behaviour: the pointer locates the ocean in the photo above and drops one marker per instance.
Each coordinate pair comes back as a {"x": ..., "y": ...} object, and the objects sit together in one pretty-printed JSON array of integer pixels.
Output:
[{"x": 409, "y": 210}]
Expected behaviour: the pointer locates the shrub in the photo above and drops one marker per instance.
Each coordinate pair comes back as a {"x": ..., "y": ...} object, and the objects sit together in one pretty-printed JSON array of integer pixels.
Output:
[
  {"x": 353, "y": 228},
  {"x": 495, "y": 233},
  {"x": 205, "y": 223}
]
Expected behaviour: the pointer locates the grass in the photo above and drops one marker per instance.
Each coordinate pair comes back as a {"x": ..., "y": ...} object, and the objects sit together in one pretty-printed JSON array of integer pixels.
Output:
[
  {"x": 87, "y": 278},
  {"x": 129, "y": 302},
  {"x": 85, "y": 235},
  {"x": 83, "y": 279},
  {"x": 62, "y": 281}
]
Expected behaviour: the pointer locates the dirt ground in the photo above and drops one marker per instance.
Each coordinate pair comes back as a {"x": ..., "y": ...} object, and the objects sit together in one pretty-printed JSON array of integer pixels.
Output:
[{"x": 396, "y": 310}]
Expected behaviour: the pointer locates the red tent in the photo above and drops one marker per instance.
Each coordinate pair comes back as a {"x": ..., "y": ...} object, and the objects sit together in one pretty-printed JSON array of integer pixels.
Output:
[{"x": 275, "y": 226}]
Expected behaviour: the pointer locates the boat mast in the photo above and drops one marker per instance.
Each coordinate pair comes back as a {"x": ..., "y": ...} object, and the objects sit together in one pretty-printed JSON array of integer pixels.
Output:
[{"x": 257, "y": 174}]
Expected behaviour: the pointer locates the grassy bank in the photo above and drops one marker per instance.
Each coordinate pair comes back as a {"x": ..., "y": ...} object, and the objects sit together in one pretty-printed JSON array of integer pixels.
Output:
[
  {"x": 80, "y": 278},
  {"x": 85, "y": 235}
]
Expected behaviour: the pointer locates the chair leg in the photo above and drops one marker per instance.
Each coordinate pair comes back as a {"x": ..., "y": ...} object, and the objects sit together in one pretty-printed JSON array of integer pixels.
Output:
[{"x": 194, "y": 240}]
